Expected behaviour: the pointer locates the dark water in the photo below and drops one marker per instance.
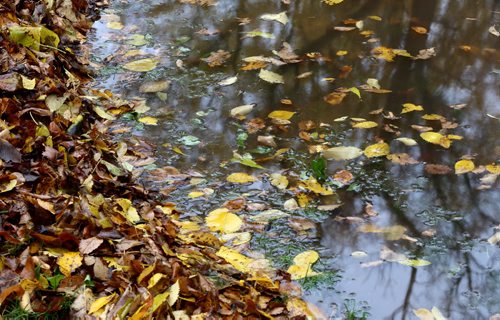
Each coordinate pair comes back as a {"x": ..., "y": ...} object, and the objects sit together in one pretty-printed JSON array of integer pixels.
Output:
[{"x": 463, "y": 280}]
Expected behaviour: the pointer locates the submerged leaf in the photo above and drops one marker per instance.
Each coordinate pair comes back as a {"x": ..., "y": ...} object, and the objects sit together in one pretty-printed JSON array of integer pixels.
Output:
[
  {"x": 280, "y": 17},
  {"x": 142, "y": 65},
  {"x": 270, "y": 76}
]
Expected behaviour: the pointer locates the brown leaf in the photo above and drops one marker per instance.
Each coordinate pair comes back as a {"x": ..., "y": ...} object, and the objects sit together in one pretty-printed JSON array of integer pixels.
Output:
[
  {"x": 217, "y": 58},
  {"x": 437, "y": 169},
  {"x": 87, "y": 246}
]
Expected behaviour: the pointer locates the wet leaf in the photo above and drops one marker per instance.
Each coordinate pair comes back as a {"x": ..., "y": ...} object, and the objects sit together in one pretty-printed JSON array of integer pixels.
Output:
[
  {"x": 69, "y": 262},
  {"x": 236, "y": 259},
  {"x": 436, "y": 138},
  {"x": 258, "y": 33},
  {"x": 217, "y": 58},
  {"x": 114, "y": 25},
  {"x": 142, "y": 65},
  {"x": 423, "y": 314},
  {"x": 437, "y": 314},
  {"x": 414, "y": 262},
  {"x": 334, "y": 98},
  {"x": 355, "y": 91},
  {"x": 342, "y": 153},
  {"x": 464, "y": 166},
  {"x": 268, "y": 215},
  {"x": 189, "y": 140},
  {"x": 280, "y": 17},
  {"x": 154, "y": 86},
  {"x": 281, "y": 115},
  {"x": 419, "y": 30},
  {"x": 228, "y": 81},
  {"x": 332, "y": 2},
  {"x": 242, "y": 110},
  {"x": 149, "y": 121},
  {"x": 494, "y": 31},
  {"x": 240, "y": 177},
  {"x": 302, "y": 266},
  {"x": 270, "y": 76},
  {"x": 494, "y": 239},
  {"x": 409, "y": 107},
  {"x": 407, "y": 141},
  {"x": 313, "y": 185},
  {"x": 493, "y": 168},
  {"x": 377, "y": 150},
  {"x": 279, "y": 181},
  {"x": 365, "y": 124},
  {"x": 223, "y": 220}
]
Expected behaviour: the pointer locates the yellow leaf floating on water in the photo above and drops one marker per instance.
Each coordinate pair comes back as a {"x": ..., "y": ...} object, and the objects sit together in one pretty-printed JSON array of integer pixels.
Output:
[
  {"x": 342, "y": 153},
  {"x": 270, "y": 76},
  {"x": 341, "y": 53},
  {"x": 101, "y": 302},
  {"x": 493, "y": 168},
  {"x": 281, "y": 115},
  {"x": 407, "y": 141},
  {"x": 149, "y": 121},
  {"x": 302, "y": 266},
  {"x": 436, "y": 138},
  {"x": 464, "y": 166},
  {"x": 115, "y": 25},
  {"x": 240, "y": 177},
  {"x": 196, "y": 194},
  {"x": 365, "y": 124},
  {"x": 142, "y": 65},
  {"x": 223, "y": 220},
  {"x": 332, "y": 2},
  {"x": 423, "y": 314},
  {"x": 236, "y": 259},
  {"x": 313, "y": 185},
  {"x": 414, "y": 262},
  {"x": 69, "y": 262},
  {"x": 432, "y": 117},
  {"x": 409, "y": 107},
  {"x": 377, "y": 150}
]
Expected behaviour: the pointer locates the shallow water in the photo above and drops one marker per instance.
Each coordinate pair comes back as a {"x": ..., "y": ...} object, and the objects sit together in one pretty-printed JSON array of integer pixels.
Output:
[{"x": 463, "y": 280}]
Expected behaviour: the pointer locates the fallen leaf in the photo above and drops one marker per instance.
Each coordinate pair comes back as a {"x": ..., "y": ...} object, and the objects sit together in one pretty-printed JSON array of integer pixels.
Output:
[
  {"x": 280, "y": 17},
  {"x": 236, "y": 259},
  {"x": 88, "y": 245},
  {"x": 407, "y": 141},
  {"x": 240, "y": 177},
  {"x": 101, "y": 302},
  {"x": 409, "y": 107},
  {"x": 334, "y": 98},
  {"x": 242, "y": 110},
  {"x": 419, "y": 30},
  {"x": 149, "y": 121},
  {"x": 228, "y": 81},
  {"x": 142, "y": 65},
  {"x": 423, "y": 314},
  {"x": 270, "y": 76},
  {"x": 217, "y": 58},
  {"x": 69, "y": 262},
  {"x": 223, "y": 220},
  {"x": 377, "y": 150},
  {"x": 342, "y": 153},
  {"x": 464, "y": 166},
  {"x": 281, "y": 115},
  {"x": 436, "y": 138},
  {"x": 154, "y": 86},
  {"x": 302, "y": 266},
  {"x": 414, "y": 262},
  {"x": 365, "y": 124}
]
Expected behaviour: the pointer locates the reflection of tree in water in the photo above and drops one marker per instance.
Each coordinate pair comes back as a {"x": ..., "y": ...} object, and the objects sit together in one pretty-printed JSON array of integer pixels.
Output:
[{"x": 453, "y": 76}]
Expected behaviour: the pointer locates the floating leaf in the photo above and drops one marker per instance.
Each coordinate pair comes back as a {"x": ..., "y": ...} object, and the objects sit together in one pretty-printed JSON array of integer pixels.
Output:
[
  {"x": 258, "y": 33},
  {"x": 377, "y": 150},
  {"x": 409, "y": 107},
  {"x": 228, "y": 81},
  {"x": 423, "y": 314},
  {"x": 270, "y": 76},
  {"x": 280, "y": 17},
  {"x": 464, "y": 166},
  {"x": 332, "y": 2},
  {"x": 342, "y": 153},
  {"x": 268, "y": 215},
  {"x": 69, "y": 262},
  {"x": 189, "y": 140},
  {"x": 149, "y": 121},
  {"x": 223, "y": 220},
  {"x": 281, "y": 115},
  {"x": 334, "y": 98},
  {"x": 414, "y": 262},
  {"x": 436, "y": 138},
  {"x": 240, "y": 177},
  {"x": 313, "y": 185},
  {"x": 154, "y": 86},
  {"x": 236, "y": 259},
  {"x": 137, "y": 40},
  {"x": 355, "y": 91},
  {"x": 302, "y": 265},
  {"x": 437, "y": 314},
  {"x": 242, "y": 110},
  {"x": 407, "y": 141},
  {"x": 419, "y": 30},
  {"x": 365, "y": 124},
  {"x": 115, "y": 25},
  {"x": 142, "y": 65},
  {"x": 493, "y": 168}
]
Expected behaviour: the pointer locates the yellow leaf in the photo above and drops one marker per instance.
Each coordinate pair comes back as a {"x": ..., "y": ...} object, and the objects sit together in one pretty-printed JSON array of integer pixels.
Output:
[
  {"x": 196, "y": 194},
  {"x": 365, "y": 124},
  {"x": 69, "y": 262},
  {"x": 128, "y": 211},
  {"x": 419, "y": 30},
  {"x": 8, "y": 184},
  {"x": 270, "y": 76},
  {"x": 377, "y": 150},
  {"x": 423, "y": 314},
  {"x": 115, "y": 25},
  {"x": 149, "y": 121},
  {"x": 464, "y": 166},
  {"x": 279, "y": 181},
  {"x": 342, "y": 153},
  {"x": 409, "y": 107},
  {"x": 142, "y": 65},
  {"x": 437, "y": 314},
  {"x": 433, "y": 116},
  {"x": 155, "y": 279},
  {"x": 384, "y": 53},
  {"x": 236, "y": 259},
  {"x": 493, "y": 168},
  {"x": 436, "y": 138},
  {"x": 376, "y": 18},
  {"x": 101, "y": 302},
  {"x": 174, "y": 291},
  {"x": 28, "y": 84},
  {"x": 341, "y": 53},
  {"x": 145, "y": 273},
  {"x": 224, "y": 221},
  {"x": 454, "y": 137},
  {"x": 240, "y": 177},
  {"x": 159, "y": 299},
  {"x": 332, "y": 2},
  {"x": 281, "y": 115},
  {"x": 302, "y": 265},
  {"x": 313, "y": 185},
  {"x": 407, "y": 141}
]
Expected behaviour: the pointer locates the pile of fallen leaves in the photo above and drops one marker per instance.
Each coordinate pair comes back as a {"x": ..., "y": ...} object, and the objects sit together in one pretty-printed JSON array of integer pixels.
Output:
[{"x": 78, "y": 237}]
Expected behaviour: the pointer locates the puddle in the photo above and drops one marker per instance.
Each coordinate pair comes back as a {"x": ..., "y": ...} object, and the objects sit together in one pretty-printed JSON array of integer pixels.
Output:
[{"x": 447, "y": 219}]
